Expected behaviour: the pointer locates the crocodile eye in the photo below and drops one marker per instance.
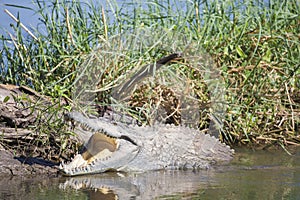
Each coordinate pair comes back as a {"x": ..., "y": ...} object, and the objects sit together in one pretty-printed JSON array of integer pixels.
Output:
[{"x": 124, "y": 137}]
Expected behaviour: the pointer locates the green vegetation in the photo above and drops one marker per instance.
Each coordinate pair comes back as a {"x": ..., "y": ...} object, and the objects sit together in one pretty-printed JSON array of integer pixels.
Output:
[{"x": 254, "y": 44}]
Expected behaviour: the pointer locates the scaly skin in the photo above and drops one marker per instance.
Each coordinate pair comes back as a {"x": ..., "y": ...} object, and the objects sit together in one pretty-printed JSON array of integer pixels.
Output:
[{"x": 118, "y": 146}]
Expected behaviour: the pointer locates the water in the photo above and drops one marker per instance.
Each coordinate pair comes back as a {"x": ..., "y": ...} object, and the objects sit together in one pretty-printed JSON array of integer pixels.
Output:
[{"x": 251, "y": 175}]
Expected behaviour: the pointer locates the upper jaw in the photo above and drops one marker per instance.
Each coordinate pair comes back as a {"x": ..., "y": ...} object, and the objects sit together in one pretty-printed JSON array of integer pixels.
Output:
[{"x": 93, "y": 124}]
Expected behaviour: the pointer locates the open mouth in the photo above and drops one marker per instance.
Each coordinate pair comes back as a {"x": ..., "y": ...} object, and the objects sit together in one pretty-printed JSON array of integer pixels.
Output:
[
  {"x": 102, "y": 151},
  {"x": 99, "y": 146}
]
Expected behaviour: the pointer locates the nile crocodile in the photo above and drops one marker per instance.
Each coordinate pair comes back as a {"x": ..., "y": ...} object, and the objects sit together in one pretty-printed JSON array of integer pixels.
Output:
[{"x": 112, "y": 145}]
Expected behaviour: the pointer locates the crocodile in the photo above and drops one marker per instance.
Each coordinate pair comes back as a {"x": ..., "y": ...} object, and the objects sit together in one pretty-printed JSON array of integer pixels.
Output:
[{"x": 113, "y": 145}]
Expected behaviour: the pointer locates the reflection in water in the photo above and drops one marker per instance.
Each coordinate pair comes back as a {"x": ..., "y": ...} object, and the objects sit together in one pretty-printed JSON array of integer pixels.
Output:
[
  {"x": 252, "y": 175},
  {"x": 143, "y": 185},
  {"x": 15, "y": 188}
]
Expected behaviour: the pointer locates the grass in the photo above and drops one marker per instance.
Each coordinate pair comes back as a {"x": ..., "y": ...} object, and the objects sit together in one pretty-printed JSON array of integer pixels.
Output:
[{"x": 248, "y": 76}]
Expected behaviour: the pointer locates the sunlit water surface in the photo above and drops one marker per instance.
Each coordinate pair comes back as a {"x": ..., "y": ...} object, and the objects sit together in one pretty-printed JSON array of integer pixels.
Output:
[{"x": 251, "y": 175}]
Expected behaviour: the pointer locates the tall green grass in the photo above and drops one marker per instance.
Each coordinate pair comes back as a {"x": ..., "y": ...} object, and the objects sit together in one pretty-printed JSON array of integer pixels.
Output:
[{"x": 254, "y": 44}]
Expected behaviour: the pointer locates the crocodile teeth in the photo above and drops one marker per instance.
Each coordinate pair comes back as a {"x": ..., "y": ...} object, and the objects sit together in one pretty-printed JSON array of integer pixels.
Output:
[{"x": 62, "y": 165}]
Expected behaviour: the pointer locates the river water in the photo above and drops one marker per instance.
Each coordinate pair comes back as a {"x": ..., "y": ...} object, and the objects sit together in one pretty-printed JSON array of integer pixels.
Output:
[{"x": 251, "y": 175}]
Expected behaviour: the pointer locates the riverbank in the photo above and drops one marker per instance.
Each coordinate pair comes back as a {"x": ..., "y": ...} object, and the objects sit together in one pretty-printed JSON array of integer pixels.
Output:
[{"x": 11, "y": 165}]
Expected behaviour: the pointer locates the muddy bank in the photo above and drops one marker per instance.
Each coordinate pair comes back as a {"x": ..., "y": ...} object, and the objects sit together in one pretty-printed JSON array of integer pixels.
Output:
[{"x": 21, "y": 166}]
